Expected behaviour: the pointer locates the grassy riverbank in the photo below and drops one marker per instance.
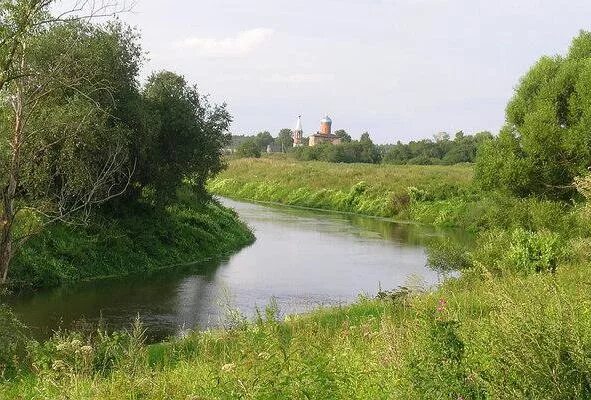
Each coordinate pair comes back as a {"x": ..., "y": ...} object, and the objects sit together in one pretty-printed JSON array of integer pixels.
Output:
[
  {"x": 435, "y": 195},
  {"x": 379, "y": 190},
  {"x": 136, "y": 238},
  {"x": 474, "y": 338}
]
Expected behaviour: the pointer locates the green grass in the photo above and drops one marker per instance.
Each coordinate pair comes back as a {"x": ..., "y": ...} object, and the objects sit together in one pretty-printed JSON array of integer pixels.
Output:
[
  {"x": 378, "y": 190},
  {"x": 130, "y": 240},
  {"x": 515, "y": 325},
  {"x": 474, "y": 338},
  {"x": 443, "y": 196}
]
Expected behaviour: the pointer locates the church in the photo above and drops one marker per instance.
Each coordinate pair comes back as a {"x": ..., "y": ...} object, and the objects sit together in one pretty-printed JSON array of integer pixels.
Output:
[{"x": 324, "y": 135}]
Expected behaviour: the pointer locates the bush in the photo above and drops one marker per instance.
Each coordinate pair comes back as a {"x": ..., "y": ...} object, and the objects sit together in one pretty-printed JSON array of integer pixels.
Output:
[
  {"x": 13, "y": 343},
  {"x": 249, "y": 149},
  {"x": 535, "y": 251},
  {"x": 518, "y": 251}
]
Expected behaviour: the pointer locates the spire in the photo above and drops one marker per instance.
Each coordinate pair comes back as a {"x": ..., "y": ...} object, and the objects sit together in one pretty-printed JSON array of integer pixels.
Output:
[{"x": 299, "y": 124}]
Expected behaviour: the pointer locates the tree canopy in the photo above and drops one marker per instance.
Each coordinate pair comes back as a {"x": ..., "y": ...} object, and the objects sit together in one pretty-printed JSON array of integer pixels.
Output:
[
  {"x": 441, "y": 150},
  {"x": 546, "y": 141},
  {"x": 78, "y": 132}
]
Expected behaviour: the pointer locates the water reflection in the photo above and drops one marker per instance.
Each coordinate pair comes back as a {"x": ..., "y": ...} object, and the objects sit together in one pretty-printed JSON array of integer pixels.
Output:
[{"x": 302, "y": 258}]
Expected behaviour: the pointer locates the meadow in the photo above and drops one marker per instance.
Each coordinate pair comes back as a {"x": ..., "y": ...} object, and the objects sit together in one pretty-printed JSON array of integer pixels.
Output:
[{"x": 378, "y": 190}]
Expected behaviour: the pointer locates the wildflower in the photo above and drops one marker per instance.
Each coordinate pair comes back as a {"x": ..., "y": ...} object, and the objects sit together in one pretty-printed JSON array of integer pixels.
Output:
[
  {"x": 228, "y": 367},
  {"x": 76, "y": 343},
  {"x": 442, "y": 305},
  {"x": 58, "y": 365},
  {"x": 86, "y": 350}
]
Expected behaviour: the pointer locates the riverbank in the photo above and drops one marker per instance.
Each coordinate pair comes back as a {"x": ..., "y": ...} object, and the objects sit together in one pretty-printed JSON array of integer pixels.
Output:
[
  {"x": 514, "y": 325},
  {"x": 135, "y": 239},
  {"x": 376, "y": 190},
  {"x": 443, "y": 196},
  {"x": 473, "y": 338}
]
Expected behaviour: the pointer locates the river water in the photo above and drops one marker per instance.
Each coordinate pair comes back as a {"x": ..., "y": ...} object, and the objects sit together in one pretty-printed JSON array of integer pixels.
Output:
[{"x": 303, "y": 259}]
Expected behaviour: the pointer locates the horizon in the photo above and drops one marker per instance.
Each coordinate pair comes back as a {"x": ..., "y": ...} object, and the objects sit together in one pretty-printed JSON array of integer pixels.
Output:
[{"x": 398, "y": 69}]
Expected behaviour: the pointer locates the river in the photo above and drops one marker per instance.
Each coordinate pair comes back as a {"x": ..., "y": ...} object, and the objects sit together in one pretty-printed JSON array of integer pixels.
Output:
[{"x": 303, "y": 259}]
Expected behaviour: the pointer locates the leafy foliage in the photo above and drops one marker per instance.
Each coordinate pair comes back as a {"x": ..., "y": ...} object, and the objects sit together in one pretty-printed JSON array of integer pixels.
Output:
[
  {"x": 285, "y": 140},
  {"x": 546, "y": 142},
  {"x": 356, "y": 151},
  {"x": 249, "y": 148},
  {"x": 463, "y": 148},
  {"x": 184, "y": 135}
]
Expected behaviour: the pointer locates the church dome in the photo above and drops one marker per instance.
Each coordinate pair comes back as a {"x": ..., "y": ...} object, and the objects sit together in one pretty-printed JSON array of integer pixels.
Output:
[{"x": 326, "y": 120}]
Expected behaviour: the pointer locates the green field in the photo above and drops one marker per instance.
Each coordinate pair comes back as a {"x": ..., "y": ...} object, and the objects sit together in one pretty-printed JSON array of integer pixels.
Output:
[{"x": 379, "y": 190}]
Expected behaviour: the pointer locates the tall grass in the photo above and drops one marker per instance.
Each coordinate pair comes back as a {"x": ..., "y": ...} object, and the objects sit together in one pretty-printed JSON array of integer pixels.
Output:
[
  {"x": 135, "y": 239},
  {"x": 360, "y": 188},
  {"x": 499, "y": 338}
]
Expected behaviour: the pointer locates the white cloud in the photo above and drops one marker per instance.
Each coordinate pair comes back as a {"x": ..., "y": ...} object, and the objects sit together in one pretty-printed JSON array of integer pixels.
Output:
[
  {"x": 236, "y": 46},
  {"x": 301, "y": 78}
]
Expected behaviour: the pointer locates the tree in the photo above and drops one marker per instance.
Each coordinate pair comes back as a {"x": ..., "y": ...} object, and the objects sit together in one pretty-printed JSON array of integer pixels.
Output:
[
  {"x": 285, "y": 139},
  {"x": 249, "y": 148},
  {"x": 343, "y": 135},
  {"x": 370, "y": 152},
  {"x": 264, "y": 139},
  {"x": 183, "y": 138},
  {"x": 546, "y": 141},
  {"x": 61, "y": 150}
]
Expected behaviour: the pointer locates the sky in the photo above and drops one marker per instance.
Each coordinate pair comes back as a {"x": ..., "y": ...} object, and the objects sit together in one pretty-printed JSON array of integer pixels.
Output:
[{"x": 399, "y": 69}]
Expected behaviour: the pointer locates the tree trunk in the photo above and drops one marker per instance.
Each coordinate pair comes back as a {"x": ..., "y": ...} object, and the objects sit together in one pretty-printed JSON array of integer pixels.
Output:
[
  {"x": 5, "y": 251},
  {"x": 8, "y": 214}
]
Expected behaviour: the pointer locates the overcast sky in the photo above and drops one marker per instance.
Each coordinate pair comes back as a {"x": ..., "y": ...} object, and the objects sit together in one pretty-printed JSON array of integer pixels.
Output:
[{"x": 400, "y": 69}]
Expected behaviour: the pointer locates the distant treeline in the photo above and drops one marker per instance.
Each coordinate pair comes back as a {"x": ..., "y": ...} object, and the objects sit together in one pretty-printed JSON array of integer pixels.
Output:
[{"x": 439, "y": 150}]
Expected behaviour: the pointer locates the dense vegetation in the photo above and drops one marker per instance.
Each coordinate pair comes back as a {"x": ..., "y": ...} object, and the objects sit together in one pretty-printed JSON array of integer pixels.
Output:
[
  {"x": 88, "y": 156},
  {"x": 440, "y": 151},
  {"x": 546, "y": 142},
  {"x": 132, "y": 239},
  {"x": 514, "y": 325},
  {"x": 350, "y": 151},
  {"x": 462, "y": 149}
]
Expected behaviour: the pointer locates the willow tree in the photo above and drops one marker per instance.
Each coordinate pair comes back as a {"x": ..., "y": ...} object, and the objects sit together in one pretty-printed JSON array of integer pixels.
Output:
[
  {"x": 62, "y": 148},
  {"x": 546, "y": 141},
  {"x": 183, "y": 136}
]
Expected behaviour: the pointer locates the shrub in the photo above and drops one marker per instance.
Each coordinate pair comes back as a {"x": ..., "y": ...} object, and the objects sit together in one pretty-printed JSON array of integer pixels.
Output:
[
  {"x": 249, "y": 149},
  {"x": 13, "y": 343},
  {"x": 518, "y": 251},
  {"x": 535, "y": 251}
]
